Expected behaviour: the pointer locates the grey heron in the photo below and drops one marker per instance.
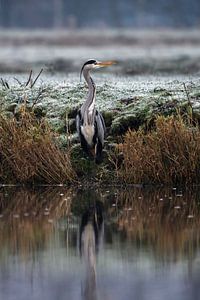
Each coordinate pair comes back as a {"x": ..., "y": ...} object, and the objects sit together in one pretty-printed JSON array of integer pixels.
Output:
[{"x": 89, "y": 121}]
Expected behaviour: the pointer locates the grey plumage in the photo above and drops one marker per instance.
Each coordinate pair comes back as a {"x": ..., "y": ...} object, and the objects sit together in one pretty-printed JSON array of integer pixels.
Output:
[{"x": 89, "y": 122}]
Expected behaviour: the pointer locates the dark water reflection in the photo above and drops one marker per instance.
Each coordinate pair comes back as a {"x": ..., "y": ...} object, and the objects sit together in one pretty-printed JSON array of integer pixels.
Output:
[{"x": 149, "y": 249}]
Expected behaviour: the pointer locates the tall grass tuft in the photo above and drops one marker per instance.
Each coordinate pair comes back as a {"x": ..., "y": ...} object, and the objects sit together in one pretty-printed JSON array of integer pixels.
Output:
[
  {"x": 29, "y": 153},
  {"x": 170, "y": 153}
]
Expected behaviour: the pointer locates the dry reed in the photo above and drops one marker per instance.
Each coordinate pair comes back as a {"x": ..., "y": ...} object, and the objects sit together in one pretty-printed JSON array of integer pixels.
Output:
[
  {"x": 29, "y": 152},
  {"x": 170, "y": 153}
]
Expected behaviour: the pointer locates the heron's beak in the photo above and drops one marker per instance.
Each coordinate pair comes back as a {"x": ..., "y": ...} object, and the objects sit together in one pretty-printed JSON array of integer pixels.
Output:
[{"x": 102, "y": 64}]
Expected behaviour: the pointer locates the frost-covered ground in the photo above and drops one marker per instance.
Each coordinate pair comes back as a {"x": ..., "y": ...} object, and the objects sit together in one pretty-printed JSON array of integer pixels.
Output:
[{"x": 125, "y": 101}]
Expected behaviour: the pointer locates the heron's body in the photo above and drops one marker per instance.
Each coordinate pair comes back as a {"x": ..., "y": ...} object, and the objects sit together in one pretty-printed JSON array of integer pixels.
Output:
[
  {"x": 89, "y": 122},
  {"x": 88, "y": 132}
]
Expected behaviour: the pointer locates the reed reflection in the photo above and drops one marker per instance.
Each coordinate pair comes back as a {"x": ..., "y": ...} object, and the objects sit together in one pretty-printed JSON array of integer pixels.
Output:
[
  {"x": 29, "y": 219},
  {"x": 163, "y": 221}
]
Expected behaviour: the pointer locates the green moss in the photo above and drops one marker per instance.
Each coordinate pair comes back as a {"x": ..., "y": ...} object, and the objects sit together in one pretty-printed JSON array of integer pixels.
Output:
[
  {"x": 109, "y": 117},
  {"x": 11, "y": 107},
  {"x": 7, "y": 114},
  {"x": 159, "y": 91},
  {"x": 81, "y": 163},
  {"x": 122, "y": 123},
  {"x": 39, "y": 112}
]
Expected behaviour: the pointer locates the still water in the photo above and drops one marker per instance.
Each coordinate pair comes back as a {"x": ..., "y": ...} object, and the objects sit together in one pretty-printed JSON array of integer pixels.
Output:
[{"x": 111, "y": 243}]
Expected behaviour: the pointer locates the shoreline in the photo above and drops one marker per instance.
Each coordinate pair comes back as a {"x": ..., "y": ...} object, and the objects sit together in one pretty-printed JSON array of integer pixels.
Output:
[{"x": 56, "y": 107}]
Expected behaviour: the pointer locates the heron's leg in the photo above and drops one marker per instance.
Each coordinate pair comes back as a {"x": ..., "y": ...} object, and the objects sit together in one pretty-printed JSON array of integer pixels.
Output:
[
  {"x": 84, "y": 144},
  {"x": 99, "y": 156},
  {"x": 85, "y": 147}
]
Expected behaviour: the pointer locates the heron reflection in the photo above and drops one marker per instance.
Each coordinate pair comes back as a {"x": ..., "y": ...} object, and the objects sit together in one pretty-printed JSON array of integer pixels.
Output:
[{"x": 91, "y": 235}]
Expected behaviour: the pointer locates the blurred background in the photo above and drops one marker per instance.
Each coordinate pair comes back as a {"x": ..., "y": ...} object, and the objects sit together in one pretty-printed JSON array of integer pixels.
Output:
[
  {"x": 146, "y": 37},
  {"x": 99, "y": 14}
]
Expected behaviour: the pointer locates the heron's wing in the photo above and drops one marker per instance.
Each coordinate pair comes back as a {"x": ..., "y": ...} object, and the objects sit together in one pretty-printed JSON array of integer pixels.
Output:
[
  {"x": 103, "y": 122},
  {"x": 101, "y": 128},
  {"x": 78, "y": 123}
]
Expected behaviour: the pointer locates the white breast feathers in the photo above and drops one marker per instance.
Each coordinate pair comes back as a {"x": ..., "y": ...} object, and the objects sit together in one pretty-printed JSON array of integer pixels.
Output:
[{"x": 88, "y": 133}]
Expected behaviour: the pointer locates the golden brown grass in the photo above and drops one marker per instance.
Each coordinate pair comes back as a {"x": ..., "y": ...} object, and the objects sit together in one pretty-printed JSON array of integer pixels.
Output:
[
  {"x": 29, "y": 152},
  {"x": 170, "y": 153}
]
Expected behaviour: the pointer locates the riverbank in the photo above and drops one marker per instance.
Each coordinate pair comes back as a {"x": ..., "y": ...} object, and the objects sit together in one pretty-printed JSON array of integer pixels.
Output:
[{"x": 125, "y": 104}]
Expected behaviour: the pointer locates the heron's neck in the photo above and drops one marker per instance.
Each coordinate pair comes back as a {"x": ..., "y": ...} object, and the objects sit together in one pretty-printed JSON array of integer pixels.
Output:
[{"x": 88, "y": 108}]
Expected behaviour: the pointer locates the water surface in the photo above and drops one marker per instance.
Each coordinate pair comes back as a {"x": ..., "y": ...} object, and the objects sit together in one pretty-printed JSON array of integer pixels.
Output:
[{"x": 149, "y": 245}]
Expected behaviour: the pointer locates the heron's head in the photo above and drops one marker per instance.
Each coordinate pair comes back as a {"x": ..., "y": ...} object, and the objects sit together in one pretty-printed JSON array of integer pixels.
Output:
[{"x": 95, "y": 64}]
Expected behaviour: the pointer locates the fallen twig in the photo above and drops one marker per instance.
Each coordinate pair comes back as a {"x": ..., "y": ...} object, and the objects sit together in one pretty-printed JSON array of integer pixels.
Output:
[
  {"x": 19, "y": 82},
  {"x": 29, "y": 78},
  {"x": 40, "y": 92},
  {"x": 187, "y": 94},
  {"x": 5, "y": 83},
  {"x": 36, "y": 78},
  {"x": 188, "y": 99}
]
